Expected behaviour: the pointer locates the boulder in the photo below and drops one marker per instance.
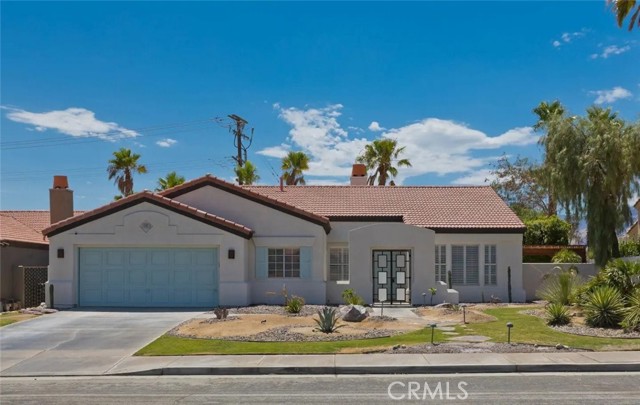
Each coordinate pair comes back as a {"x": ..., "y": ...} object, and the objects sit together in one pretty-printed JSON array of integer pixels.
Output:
[
  {"x": 353, "y": 313},
  {"x": 446, "y": 305}
]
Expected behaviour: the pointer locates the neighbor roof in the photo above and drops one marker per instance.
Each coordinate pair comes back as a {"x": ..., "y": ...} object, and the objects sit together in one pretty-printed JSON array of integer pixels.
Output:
[
  {"x": 148, "y": 196},
  {"x": 25, "y": 226},
  {"x": 441, "y": 208}
]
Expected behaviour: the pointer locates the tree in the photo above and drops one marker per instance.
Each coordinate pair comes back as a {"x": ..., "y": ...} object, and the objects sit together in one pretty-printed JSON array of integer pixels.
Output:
[
  {"x": 247, "y": 174},
  {"x": 172, "y": 179},
  {"x": 122, "y": 167},
  {"x": 524, "y": 186},
  {"x": 379, "y": 156},
  {"x": 595, "y": 168},
  {"x": 293, "y": 165},
  {"x": 622, "y": 8},
  {"x": 546, "y": 231}
]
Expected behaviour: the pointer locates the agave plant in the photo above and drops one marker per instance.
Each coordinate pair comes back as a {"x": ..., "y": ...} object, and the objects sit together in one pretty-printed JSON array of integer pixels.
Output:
[
  {"x": 557, "y": 314},
  {"x": 631, "y": 319},
  {"x": 604, "y": 307},
  {"x": 560, "y": 287},
  {"x": 328, "y": 320}
]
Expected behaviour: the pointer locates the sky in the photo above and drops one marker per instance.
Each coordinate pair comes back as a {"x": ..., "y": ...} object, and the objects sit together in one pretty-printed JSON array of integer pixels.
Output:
[{"x": 455, "y": 83}]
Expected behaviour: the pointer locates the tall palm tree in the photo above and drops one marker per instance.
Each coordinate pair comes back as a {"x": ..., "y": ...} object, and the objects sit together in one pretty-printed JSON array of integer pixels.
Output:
[
  {"x": 380, "y": 155},
  {"x": 247, "y": 174},
  {"x": 172, "y": 179},
  {"x": 122, "y": 167},
  {"x": 622, "y": 8},
  {"x": 293, "y": 165}
]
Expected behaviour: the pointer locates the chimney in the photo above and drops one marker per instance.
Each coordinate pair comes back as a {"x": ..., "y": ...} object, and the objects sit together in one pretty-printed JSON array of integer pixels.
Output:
[
  {"x": 281, "y": 183},
  {"x": 60, "y": 200},
  {"x": 359, "y": 175}
]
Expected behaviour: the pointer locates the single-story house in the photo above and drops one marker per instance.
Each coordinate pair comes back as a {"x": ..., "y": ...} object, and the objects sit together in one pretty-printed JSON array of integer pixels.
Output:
[
  {"x": 634, "y": 230},
  {"x": 211, "y": 243}
]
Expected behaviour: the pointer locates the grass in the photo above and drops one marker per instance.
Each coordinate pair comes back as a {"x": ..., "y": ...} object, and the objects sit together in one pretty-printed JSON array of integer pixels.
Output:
[
  {"x": 175, "y": 346},
  {"x": 531, "y": 329},
  {"x": 7, "y": 318}
]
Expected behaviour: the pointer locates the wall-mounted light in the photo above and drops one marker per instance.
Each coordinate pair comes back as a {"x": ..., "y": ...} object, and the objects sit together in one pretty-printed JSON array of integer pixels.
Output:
[
  {"x": 60, "y": 253},
  {"x": 231, "y": 254}
]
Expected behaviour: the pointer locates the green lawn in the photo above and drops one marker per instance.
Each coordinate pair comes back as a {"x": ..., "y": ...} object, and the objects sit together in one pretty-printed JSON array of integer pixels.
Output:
[
  {"x": 174, "y": 346},
  {"x": 531, "y": 329},
  {"x": 7, "y": 318}
]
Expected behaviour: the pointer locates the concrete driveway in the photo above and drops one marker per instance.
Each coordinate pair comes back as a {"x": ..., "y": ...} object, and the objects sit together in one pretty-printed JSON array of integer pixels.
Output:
[{"x": 81, "y": 342}]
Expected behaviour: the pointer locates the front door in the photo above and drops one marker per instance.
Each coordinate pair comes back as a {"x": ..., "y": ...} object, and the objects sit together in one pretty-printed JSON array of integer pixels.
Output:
[{"x": 392, "y": 276}]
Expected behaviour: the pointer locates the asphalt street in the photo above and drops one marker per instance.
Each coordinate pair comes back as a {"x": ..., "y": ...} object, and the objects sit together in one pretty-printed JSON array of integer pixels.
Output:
[{"x": 516, "y": 388}]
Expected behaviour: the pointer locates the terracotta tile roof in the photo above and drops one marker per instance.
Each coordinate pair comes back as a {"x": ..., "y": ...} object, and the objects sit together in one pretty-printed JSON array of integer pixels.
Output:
[
  {"x": 25, "y": 226},
  {"x": 248, "y": 193},
  {"x": 147, "y": 196},
  {"x": 442, "y": 208}
]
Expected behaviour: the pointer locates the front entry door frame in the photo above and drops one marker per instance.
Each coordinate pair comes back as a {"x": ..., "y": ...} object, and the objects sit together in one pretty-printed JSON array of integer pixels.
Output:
[{"x": 391, "y": 276}]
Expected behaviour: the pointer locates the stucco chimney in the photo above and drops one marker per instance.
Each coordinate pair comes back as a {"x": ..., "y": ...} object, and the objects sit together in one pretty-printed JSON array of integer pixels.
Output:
[
  {"x": 359, "y": 175},
  {"x": 60, "y": 200}
]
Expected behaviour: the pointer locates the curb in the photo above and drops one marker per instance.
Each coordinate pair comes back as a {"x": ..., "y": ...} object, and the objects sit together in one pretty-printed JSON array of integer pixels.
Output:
[{"x": 346, "y": 370}]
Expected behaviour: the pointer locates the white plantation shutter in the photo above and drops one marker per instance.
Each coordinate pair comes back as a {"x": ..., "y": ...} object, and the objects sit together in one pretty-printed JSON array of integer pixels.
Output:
[
  {"x": 465, "y": 265},
  {"x": 472, "y": 265},
  {"x": 490, "y": 265},
  {"x": 457, "y": 264},
  {"x": 441, "y": 263}
]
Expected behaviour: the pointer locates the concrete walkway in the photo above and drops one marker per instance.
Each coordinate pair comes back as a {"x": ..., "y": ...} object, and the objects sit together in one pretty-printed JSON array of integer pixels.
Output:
[{"x": 374, "y": 364}]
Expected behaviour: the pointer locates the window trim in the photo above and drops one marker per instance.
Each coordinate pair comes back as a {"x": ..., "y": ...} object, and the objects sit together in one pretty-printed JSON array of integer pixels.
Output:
[
  {"x": 441, "y": 264},
  {"x": 465, "y": 270},
  {"x": 488, "y": 266},
  {"x": 284, "y": 262},
  {"x": 348, "y": 269}
]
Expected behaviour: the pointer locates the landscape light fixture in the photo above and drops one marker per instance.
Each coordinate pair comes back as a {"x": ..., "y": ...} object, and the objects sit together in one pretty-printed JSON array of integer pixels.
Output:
[
  {"x": 509, "y": 326},
  {"x": 433, "y": 328},
  {"x": 424, "y": 299},
  {"x": 464, "y": 313}
]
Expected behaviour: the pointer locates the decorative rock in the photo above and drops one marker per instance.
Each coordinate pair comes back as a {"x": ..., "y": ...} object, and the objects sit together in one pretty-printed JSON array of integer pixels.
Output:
[
  {"x": 221, "y": 313},
  {"x": 495, "y": 300},
  {"x": 444, "y": 305},
  {"x": 403, "y": 346},
  {"x": 396, "y": 347},
  {"x": 353, "y": 313},
  {"x": 559, "y": 346}
]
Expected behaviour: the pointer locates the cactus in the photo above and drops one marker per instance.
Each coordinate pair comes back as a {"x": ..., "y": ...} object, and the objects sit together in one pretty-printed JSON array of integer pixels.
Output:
[
  {"x": 328, "y": 319},
  {"x": 509, "y": 282},
  {"x": 449, "y": 279}
]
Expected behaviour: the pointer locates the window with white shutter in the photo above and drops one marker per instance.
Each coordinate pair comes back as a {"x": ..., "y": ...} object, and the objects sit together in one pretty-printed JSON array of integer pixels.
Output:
[
  {"x": 490, "y": 265},
  {"x": 441, "y": 263},
  {"x": 339, "y": 264},
  {"x": 465, "y": 264}
]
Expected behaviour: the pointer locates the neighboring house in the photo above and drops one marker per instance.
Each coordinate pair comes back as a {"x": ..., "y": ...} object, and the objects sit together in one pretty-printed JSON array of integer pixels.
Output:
[
  {"x": 208, "y": 242},
  {"x": 22, "y": 242},
  {"x": 634, "y": 231}
]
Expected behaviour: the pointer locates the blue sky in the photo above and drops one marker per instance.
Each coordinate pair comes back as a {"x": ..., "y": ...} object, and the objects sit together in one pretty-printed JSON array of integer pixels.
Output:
[{"x": 453, "y": 82}]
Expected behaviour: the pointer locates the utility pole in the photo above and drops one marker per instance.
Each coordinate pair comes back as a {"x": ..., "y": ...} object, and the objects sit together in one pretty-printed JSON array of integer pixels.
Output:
[{"x": 239, "y": 138}]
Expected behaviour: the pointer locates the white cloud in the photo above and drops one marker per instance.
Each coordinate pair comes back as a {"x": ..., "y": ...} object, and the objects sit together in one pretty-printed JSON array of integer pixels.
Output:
[
  {"x": 78, "y": 122},
  {"x": 166, "y": 143},
  {"x": 568, "y": 37},
  {"x": 279, "y": 151},
  {"x": 375, "y": 127},
  {"x": 611, "y": 95},
  {"x": 611, "y": 50},
  {"x": 482, "y": 177},
  {"x": 432, "y": 145}
]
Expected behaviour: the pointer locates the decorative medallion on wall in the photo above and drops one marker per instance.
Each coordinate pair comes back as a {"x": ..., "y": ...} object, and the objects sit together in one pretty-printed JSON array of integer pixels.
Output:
[{"x": 146, "y": 226}]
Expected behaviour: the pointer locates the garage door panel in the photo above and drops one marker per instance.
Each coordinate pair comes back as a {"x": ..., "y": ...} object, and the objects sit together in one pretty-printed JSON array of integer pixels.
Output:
[{"x": 148, "y": 277}]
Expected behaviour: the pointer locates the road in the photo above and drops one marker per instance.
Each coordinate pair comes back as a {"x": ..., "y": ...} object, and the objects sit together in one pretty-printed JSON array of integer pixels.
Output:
[{"x": 551, "y": 388}]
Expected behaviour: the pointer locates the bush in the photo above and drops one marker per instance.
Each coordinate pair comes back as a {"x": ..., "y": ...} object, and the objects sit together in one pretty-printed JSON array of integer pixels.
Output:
[
  {"x": 557, "y": 314},
  {"x": 604, "y": 307},
  {"x": 622, "y": 275},
  {"x": 630, "y": 247},
  {"x": 561, "y": 287},
  {"x": 294, "y": 304},
  {"x": 566, "y": 256},
  {"x": 351, "y": 298},
  {"x": 328, "y": 320},
  {"x": 547, "y": 231},
  {"x": 631, "y": 320}
]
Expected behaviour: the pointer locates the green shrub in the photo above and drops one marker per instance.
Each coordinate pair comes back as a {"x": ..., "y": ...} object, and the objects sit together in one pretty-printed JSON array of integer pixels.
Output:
[
  {"x": 351, "y": 298},
  {"x": 328, "y": 320},
  {"x": 631, "y": 320},
  {"x": 622, "y": 275},
  {"x": 604, "y": 307},
  {"x": 294, "y": 304},
  {"x": 566, "y": 256},
  {"x": 557, "y": 314},
  {"x": 547, "y": 231},
  {"x": 630, "y": 247},
  {"x": 560, "y": 287}
]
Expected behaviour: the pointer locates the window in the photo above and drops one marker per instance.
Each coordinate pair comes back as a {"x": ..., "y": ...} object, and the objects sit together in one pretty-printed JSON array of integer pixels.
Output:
[
  {"x": 465, "y": 265},
  {"x": 284, "y": 263},
  {"x": 490, "y": 265},
  {"x": 339, "y": 264},
  {"x": 441, "y": 263}
]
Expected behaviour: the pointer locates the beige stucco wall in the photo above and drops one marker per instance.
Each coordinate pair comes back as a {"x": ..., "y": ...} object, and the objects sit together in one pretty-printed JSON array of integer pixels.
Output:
[
  {"x": 170, "y": 229},
  {"x": 13, "y": 256},
  {"x": 272, "y": 228},
  {"x": 533, "y": 274},
  {"x": 509, "y": 254}
]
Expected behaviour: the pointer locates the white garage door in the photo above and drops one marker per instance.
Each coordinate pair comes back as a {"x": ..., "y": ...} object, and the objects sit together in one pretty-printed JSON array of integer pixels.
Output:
[{"x": 148, "y": 277}]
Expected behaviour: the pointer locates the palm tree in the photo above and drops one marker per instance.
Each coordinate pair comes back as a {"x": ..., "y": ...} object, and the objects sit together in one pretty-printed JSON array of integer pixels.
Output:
[
  {"x": 380, "y": 155},
  {"x": 172, "y": 179},
  {"x": 247, "y": 174},
  {"x": 121, "y": 167},
  {"x": 622, "y": 8},
  {"x": 293, "y": 165}
]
